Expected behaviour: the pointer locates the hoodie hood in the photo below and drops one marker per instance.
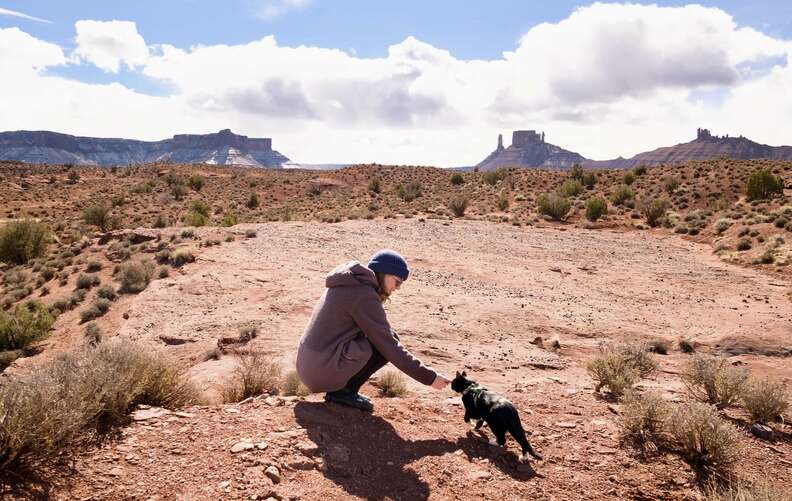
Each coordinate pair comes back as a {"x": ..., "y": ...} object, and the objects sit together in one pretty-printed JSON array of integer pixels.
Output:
[{"x": 351, "y": 274}]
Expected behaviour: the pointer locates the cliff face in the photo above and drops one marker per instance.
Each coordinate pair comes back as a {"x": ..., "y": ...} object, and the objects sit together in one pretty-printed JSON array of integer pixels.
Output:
[
  {"x": 221, "y": 148},
  {"x": 529, "y": 149}
]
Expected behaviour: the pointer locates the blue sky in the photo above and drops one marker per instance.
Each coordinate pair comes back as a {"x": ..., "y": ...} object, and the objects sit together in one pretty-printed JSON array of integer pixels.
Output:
[{"x": 414, "y": 34}]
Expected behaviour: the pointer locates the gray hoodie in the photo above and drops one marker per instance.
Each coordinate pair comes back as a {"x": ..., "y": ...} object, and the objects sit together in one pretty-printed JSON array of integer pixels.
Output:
[{"x": 346, "y": 322}]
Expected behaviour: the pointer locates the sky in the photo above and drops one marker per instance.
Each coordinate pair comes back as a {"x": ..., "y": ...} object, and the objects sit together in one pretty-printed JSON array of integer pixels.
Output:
[{"x": 409, "y": 82}]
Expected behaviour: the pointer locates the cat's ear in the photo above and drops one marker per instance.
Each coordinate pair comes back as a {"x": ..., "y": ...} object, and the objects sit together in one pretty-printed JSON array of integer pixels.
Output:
[
  {"x": 458, "y": 374},
  {"x": 464, "y": 373}
]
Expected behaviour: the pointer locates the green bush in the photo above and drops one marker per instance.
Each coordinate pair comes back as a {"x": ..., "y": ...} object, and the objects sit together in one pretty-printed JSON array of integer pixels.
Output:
[
  {"x": 107, "y": 292},
  {"x": 628, "y": 179},
  {"x": 410, "y": 191},
  {"x": 375, "y": 185},
  {"x": 553, "y": 205},
  {"x": 178, "y": 191},
  {"x": 714, "y": 380},
  {"x": 181, "y": 256},
  {"x": 457, "y": 179},
  {"x": 26, "y": 324},
  {"x": 86, "y": 281},
  {"x": 596, "y": 208},
  {"x": 252, "y": 201},
  {"x": 576, "y": 172},
  {"x": 762, "y": 185},
  {"x": 670, "y": 184},
  {"x": 503, "y": 202},
  {"x": 196, "y": 182},
  {"x": 640, "y": 170},
  {"x": 97, "y": 215},
  {"x": 193, "y": 218},
  {"x": 493, "y": 176},
  {"x": 622, "y": 194},
  {"x": 21, "y": 241},
  {"x": 589, "y": 180},
  {"x": 654, "y": 210},
  {"x": 571, "y": 188},
  {"x": 229, "y": 219}
]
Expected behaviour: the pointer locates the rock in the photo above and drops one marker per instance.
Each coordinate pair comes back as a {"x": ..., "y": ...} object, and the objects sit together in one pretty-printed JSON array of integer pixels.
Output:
[
  {"x": 143, "y": 414},
  {"x": 300, "y": 463},
  {"x": 762, "y": 431},
  {"x": 566, "y": 424},
  {"x": 273, "y": 401},
  {"x": 273, "y": 474},
  {"x": 338, "y": 453},
  {"x": 174, "y": 340},
  {"x": 481, "y": 475},
  {"x": 262, "y": 446},
  {"x": 116, "y": 472},
  {"x": 614, "y": 409},
  {"x": 244, "y": 445},
  {"x": 307, "y": 448}
]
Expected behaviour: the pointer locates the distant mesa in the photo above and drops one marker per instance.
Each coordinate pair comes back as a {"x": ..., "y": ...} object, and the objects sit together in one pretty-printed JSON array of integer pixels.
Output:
[
  {"x": 529, "y": 149},
  {"x": 220, "y": 148}
]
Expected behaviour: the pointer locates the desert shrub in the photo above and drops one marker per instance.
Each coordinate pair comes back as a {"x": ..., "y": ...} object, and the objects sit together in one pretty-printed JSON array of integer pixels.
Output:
[
  {"x": 629, "y": 178},
  {"x": 762, "y": 185},
  {"x": 670, "y": 184},
  {"x": 576, "y": 172},
  {"x": 21, "y": 241},
  {"x": 410, "y": 191},
  {"x": 47, "y": 273},
  {"x": 86, "y": 281},
  {"x": 375, "y": 185},
  {"x": 117, "y": 200},
  {"x": 644, "y": 417},
  {"x": 613, "y": 371},
  {"x": 97, "y": 215},
  {"x": 252, "y": 201},
  {"x": 250, "y": 234},
  {"x": 622, "y": 194},
  {"x": 739, "y": 490},
  {"x": 457, "y": 179},
  {"x": 640, "y": 170},
  {"x": 686, "y": 346},
  {"x": 95, "y": 310},
  {"x": 196, "y": 182},
  {"x": 254, "y": 374},
  {"x": 637, "y": 354},
  {"x": 571, "y": 188},
  {"x": 553, "y": 205},
  {"x": 26, "y": 324},
  {"x": 292, "y": 385},
  {"x": 7, "y": 358},
  {"x": 709, "y": 444},
  {"x": 93, "y": 266},
  {"x": 106, "y": 292},
  {"x": 161, "y": 221},
  {"x": 493, "y": 176},
  {"x": 229, "y": 219},
  {"x": 163, "y": 272},
  {"x": 93, "y": 335},
  {"x": 654, "y": 211},
  {"x": 200, "y": 207},
  {"x": 714, "y": 380},
  {"x": 181, "y": 256},
  {"x": 458, "y": 206},
  {"x": 589, "y": 180},
  {"x": 503, "y": 202},
  {"x": 722, "y": 225},
  {"x": 765, "y": 400},
  {"x": 391, "y": 384},
  {"x": 135, "y": 276},
  {"x": 193, "y": 218},
  {"x": 178, "y": 191},
  {"x": 73, "y": 177},
  {"x": 744, "y": 244},
  {"x": 596, "y": 208}
]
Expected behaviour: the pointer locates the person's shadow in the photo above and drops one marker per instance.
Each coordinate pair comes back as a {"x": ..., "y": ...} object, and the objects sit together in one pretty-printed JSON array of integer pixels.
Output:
[{"x": 366, "y": 457}]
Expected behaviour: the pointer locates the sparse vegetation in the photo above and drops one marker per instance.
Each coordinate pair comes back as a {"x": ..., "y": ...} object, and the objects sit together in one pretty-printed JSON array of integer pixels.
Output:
[
  {"x": 391, "y": 384},
  {"x": 135, "y": 276},
  {"x": 766, "y": 400},
  {"x": 644, "y": 418},
  {"x": 409, "y": 192},
  {"x": 255, "y": 374},
  {"x": 613, "y": 371},
  {"x": 457, "y": 179},
  {"x": 706, "y": 442},
  {"x": 553, "y": 205},
  {"x": 622, "y": 194},
  {"x": 762, "y": 185},
  {"x": 596, "y": 208},
  {"x": 292, "y": 385},
  {"x": 654, "y": 211},
  {"x": 26, "y": 324},
  {"x": 97, "y": 215},
  {"x": 458, "y": 206}
]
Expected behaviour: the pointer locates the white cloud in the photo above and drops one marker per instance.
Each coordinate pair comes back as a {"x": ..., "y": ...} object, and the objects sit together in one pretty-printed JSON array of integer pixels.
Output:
[
  {"x": 609, "y": 80},
  {"x": 14, "y": 13},
  {"x": 21, "y": 53},
  {"x": 108, "y": 44},
  {"x": 270, "y": 9}
]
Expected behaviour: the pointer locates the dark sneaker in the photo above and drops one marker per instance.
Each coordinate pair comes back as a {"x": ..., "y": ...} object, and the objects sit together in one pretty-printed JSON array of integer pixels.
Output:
[{"x": 349, "y": 398}]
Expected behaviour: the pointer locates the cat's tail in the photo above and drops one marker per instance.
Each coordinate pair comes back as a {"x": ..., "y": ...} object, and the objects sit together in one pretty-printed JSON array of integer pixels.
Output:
[{"x": 517, "y": 431}]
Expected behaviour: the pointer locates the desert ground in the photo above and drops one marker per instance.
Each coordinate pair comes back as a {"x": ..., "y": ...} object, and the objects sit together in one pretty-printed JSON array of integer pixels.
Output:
[{"x": 484, "y": 286}]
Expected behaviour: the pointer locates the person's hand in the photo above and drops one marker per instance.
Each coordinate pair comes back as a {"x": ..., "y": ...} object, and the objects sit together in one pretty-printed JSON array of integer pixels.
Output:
[{"x": 440, "y": 382}]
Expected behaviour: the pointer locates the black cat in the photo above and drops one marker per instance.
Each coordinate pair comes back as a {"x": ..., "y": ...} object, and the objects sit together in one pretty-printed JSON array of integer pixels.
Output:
[{"x": 501, "y": 416}]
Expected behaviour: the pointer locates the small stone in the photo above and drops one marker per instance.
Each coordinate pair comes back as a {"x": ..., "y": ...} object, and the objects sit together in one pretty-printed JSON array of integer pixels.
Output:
[
  {"x": 143, "y": 414},
  {"x": 116, "y": 472},
  {"x": 481, "y": 475},
  {"x": 273, "y": 401},
  {"x": 262, "y": 446},
  {"x": 566, "y": 424},
  {"x": 273, "y": 474},
  {"x": 301, "y": 464},
  {"x": 241, "y": 446},
  {"x": 307, "y": 448},
  {"x": 762, "y": 431},
  {"x": 225, "y": 483}
]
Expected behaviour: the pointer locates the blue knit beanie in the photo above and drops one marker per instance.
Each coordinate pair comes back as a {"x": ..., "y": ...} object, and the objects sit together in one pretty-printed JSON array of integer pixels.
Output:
[{"x": 389, "y": 261}]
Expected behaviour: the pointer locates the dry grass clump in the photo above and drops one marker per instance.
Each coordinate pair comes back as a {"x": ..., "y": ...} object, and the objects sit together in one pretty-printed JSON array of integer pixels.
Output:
[
  {"x": 26, "y": 324},
  {"x": 86, "y": 281},
  {"x": 21, "y": 241},
  {"x": 80, "y": 393},
  {"x": 766, "y": 400},
  {"x": 620, "y": 366},
  {"x": 745, "y": 491},
  {"x": 458, "y": 206},
  {"x": 553, "y": 205},
  {"x": 644, "y": 417},
  {"x": 254, "y": 374},
  {"x": 181, "y": 256},
  {"x": 714, "y": 380},
  {"x": 292, "y": 385},
  {"x": 709, "y": 444},
  {"x": 135, "y": 276},
  {"x": 392, "y": 384}
]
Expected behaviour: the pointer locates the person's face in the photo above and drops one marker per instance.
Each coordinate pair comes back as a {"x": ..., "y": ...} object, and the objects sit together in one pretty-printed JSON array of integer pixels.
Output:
[{"x": 392, "y": 283}]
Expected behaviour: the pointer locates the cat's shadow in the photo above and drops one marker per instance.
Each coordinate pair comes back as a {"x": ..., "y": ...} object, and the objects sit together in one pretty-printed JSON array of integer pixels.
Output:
[{"x": 365, "y": 456}]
